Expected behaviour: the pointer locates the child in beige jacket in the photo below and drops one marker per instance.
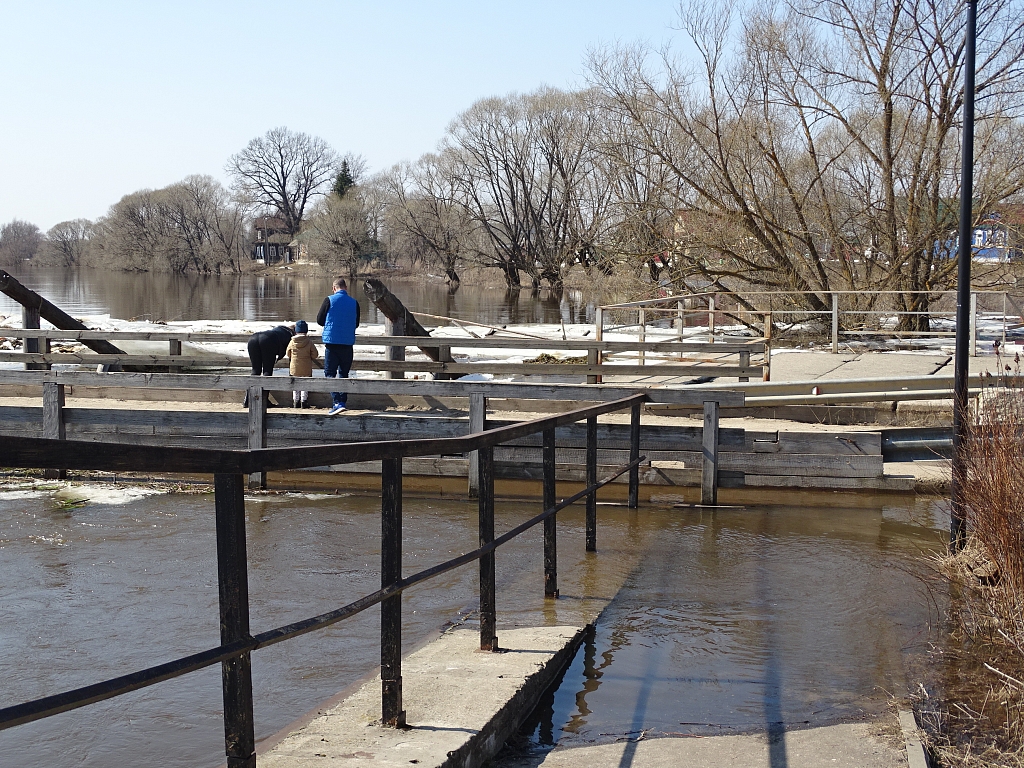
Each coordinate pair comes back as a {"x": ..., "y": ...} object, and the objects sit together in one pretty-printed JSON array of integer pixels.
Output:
[{"x": 301, "y": 353}]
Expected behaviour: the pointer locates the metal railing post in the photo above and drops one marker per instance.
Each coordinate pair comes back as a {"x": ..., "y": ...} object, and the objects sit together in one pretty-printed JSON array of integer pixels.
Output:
[
  {"x": 392, "y": 713},
  {"x": 233, "y": 582},
  {"x": 258, "y": 430},
  {"x": 634, "y": 454},
  {"x": 835, "y": 323},
  {"x": 550, "y": 524},
  {"x": 53, "y": 422},
  {"x": 488, "y": 602},
  {"x": 709, "y": 457},
  {"x": 592, "y": 481},
  {"x": 477, "y": 423}
]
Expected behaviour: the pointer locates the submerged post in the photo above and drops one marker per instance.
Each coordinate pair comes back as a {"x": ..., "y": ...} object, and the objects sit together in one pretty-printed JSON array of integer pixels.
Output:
[
  {"x": 709, "y": 458},
  {"x": 550, "y": 524},
  {"x": 392, "y": 713},
  {"x": 488, "y": 605},
  {"x": 233, "y": 582},
  {"x": 634, "y": 454},
  {"x": 591, "y": 482}
]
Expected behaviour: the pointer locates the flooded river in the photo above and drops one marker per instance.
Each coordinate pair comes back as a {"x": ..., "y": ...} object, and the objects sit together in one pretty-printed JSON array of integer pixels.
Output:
[
  {"x": 737, "y": 620},
  {"x": 169, "y": 297}
]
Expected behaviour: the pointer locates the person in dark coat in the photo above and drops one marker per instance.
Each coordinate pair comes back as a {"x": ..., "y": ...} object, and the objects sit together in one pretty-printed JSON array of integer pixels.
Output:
[{"x": 267, "y": 347}]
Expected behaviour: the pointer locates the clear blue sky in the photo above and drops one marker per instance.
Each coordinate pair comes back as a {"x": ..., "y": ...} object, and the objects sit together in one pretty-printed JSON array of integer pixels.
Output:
[{"x": 103, "y": 98}]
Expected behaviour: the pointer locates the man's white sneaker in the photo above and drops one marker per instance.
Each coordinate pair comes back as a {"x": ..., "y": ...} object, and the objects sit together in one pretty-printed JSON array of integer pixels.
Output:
[{"x": 336, "y": 410}]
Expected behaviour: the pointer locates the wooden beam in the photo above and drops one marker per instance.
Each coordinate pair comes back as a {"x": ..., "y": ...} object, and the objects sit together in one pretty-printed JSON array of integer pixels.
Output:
[
  {"x": 53, "y": 422},
  {"x": 258, "y": 431},
  {"x": 240, "y": 383},
  {"x": 477, "y": 423}
]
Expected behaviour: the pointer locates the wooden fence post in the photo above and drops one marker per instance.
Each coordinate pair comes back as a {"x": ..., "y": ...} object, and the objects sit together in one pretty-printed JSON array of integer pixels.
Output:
[
  {"x": 444, "y": 355},
  {"x": 634, "y": 454},
  {"x": 835, "y": 323},
  {"x": 711, "y": 319},
  {"x": 233, "y": 582},
  {"x": 174, "y": 349},
  {"x": 592, "y": 480},
  {"x": 709, "y": 463},
  {"x": 766, "y": 369},
  {"x": 593, "y": 358},
  {"x": 477, "y": 423},
  {"x": 392, "y": 713},
  {"x": 258, "y": 430},
  {"x": 30, "y": 319},
  {"x": 550, "y": 523},
  {"x": 744, "y": 363},
  {"x": 599, "y": 336},
  {"x": 488, "y": 603},
  {"x": 642, "y": 335},
  {"x": 53, "y": 422},
  {"x": 395, "y": 327}
]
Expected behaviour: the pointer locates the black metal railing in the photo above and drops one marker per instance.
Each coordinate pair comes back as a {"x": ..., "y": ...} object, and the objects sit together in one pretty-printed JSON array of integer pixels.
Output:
[{"x": 230, "y": 467}]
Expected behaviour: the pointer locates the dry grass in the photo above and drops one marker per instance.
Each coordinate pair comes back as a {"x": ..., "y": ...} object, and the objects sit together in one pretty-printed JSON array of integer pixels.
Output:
[{"x": 976, "y": 717}]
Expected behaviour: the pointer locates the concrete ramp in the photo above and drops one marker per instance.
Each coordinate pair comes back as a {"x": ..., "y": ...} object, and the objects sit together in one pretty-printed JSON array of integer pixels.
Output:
[{"x": 461, "y": 705}]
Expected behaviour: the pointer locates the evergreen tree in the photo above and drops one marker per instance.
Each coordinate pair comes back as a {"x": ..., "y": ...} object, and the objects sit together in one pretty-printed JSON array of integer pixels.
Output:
[{"x": 344, "y": 181}]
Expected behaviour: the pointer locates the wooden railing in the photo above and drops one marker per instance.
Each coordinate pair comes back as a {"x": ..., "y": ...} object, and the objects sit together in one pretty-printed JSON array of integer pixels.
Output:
[
  {"x": 849, "y": 314},
  {"x": 229, "y": 469},
  {"x": 741, "y": 359}
]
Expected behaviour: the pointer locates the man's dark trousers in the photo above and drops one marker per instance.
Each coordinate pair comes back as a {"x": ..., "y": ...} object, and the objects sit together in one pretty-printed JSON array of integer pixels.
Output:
[{"x": 337, "y": 363}]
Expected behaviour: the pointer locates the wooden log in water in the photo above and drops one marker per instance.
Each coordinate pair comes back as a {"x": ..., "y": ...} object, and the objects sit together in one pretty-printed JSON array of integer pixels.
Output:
[
  {"x": 394, "y": 310},
  {"x": 51, "y": 313}
]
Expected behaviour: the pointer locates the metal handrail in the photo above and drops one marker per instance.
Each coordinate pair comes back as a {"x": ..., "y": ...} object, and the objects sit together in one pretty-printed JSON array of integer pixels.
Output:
[{"x": 229, "y": 468}]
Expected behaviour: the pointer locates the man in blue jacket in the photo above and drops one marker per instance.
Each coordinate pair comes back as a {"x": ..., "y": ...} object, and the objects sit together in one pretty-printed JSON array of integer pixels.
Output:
[{"x": 339, "y": 316}]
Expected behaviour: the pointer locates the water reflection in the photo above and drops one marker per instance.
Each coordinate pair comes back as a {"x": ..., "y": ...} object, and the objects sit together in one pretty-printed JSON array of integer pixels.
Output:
[
  {"x": 159, "y": 296},
  {"x": 752, "y": 620}
]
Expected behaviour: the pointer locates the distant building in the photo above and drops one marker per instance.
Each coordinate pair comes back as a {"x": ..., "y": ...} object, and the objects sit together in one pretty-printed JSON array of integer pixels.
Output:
[
  {"x": 998, "y": 236},
  {"x": 271, "y": 243}
]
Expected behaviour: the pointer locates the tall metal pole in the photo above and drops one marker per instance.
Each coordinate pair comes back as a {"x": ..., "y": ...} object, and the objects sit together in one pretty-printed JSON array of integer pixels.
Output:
[{"x": 957, "y": 529}]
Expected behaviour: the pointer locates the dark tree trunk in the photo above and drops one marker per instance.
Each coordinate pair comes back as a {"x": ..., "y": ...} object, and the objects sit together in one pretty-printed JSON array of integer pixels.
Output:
[{"x": 394, "y": 310}]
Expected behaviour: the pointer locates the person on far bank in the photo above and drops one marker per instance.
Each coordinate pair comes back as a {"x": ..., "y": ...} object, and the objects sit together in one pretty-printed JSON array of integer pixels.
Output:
[
  {"x": 301, "y": 353},
  {"x": 266, "y": 348},
  {"x": 339, "y": 317}
]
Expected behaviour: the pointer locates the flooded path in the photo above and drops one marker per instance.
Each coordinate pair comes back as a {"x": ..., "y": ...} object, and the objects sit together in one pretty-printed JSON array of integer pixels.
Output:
[
  {"x": 748, "y": 620},
  {"x": 738, "y": 620}
]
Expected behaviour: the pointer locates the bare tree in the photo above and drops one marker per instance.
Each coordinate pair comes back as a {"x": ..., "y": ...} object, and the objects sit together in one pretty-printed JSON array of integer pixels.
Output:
[
  {"x": 815, "y": 147},
  {"x": 67, "y": 243},
  {"x": 19, "y": 241},
  {"x": 343, "y": 231},
  {"x": 284, "y": 171}
]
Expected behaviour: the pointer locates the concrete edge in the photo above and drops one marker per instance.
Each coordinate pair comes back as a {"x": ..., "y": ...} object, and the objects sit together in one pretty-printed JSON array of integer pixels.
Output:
[
  {"x": 916, "y": 755},
  {"x": 491, "y": 738}
]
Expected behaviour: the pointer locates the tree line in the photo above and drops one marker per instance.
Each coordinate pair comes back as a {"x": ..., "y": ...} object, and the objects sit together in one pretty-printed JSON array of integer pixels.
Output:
[{"x": 809, "y": 145}]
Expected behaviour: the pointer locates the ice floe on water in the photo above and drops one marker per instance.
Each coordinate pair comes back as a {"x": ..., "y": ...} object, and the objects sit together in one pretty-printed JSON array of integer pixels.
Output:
[{"x": 79, "y": 494}]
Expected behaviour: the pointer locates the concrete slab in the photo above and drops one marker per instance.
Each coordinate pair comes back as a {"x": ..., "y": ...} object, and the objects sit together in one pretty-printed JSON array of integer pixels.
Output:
[
  {"x": 800, "y": 366},
  {"x": 848, "y": 745},
  {"x": 461, "y": 704}
]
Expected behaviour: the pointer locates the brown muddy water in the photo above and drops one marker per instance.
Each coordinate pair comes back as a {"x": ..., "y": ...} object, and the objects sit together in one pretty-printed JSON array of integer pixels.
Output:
[
  {"x": 169, "y": 297},
  {"x": 741, "y": 619}
]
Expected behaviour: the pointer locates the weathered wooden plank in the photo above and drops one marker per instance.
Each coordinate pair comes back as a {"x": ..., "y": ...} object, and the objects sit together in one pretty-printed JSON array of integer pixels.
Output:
[
  {"x": 477, "y": 423},
  {"x": 819, "y": 482},
  {"x": 257, "y": 431},
  {"x": 417, "y": 366},
  {"x": 208, "y": 381},
  {"x": 456, "y": 342},
  {"x": 797, "y": 464},
  {"x": 857, "y": 443}
]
